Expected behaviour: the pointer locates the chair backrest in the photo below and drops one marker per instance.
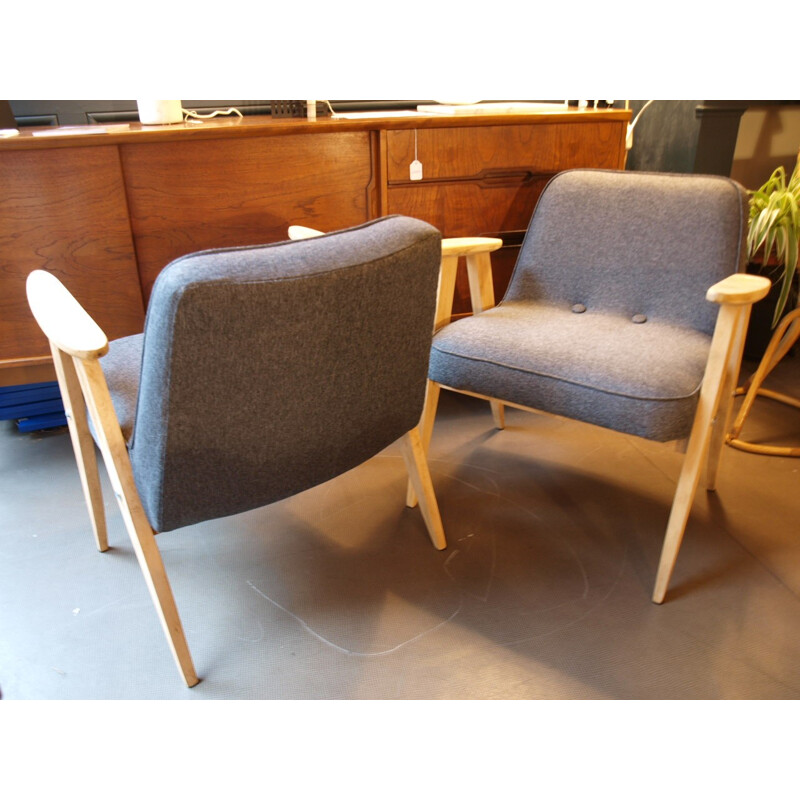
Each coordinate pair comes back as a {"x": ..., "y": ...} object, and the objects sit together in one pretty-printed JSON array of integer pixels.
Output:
[
  {"x": 268, "y": 370},
  {"x": 633, "y": 243}
]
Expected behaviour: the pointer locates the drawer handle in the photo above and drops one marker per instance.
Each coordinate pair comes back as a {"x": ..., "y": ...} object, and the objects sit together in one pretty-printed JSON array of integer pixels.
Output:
[{"x": 505, "y": 177}]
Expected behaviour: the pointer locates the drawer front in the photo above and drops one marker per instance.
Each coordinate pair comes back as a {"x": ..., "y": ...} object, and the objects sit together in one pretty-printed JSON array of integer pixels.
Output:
[
  {"x": 504, "y": 152},
  {"x": 466, "y": 208}
]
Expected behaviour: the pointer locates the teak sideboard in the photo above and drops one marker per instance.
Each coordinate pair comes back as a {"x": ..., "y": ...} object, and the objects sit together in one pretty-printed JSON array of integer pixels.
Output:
[{"x": 106, "y": 212}]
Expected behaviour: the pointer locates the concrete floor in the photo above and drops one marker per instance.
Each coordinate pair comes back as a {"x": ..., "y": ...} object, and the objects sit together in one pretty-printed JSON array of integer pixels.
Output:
[{"x": 554, "y": 531}]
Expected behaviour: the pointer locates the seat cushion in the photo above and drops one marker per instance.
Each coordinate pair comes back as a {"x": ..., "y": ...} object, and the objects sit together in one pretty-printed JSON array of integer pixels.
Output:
[{"x": 637, "y": 376}]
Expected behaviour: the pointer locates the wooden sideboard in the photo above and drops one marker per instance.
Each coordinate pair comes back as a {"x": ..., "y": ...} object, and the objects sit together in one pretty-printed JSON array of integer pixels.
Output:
[{"x": 106, "y": 212}]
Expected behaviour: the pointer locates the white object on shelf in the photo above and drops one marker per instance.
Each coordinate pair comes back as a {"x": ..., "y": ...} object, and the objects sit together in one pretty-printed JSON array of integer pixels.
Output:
[{"x": 159, "y": 112}]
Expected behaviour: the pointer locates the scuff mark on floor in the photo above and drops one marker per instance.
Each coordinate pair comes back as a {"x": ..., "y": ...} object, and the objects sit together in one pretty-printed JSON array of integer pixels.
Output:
[{"x": 344, "y": 650}]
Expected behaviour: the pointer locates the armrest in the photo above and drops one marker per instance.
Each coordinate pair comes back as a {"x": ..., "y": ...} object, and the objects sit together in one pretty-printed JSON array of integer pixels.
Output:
[
  {"x": 62, "y": 318},
  {"x": 739, "y": 289},
  {"x": 470, "y": 246},
  {"x": 476, "y": 250}
]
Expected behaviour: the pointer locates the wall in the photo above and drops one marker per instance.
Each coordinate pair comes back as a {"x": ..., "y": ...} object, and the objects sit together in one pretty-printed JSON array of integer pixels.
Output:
[
  {"x": 665, "y": 136},
  {"x": 83, "y": 112},
  {"x": 769, "y": 136},
  {"x": 743, "y": 139}
]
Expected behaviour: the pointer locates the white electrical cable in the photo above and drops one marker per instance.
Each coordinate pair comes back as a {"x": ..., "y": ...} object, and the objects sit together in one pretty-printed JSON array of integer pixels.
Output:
[
  {"x": 194, "y": 116},
  {"x": 632, "y": 125}
]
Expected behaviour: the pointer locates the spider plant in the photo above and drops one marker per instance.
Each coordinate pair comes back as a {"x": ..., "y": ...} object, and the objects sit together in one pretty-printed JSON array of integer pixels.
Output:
[{"x": 775, "y": 225}]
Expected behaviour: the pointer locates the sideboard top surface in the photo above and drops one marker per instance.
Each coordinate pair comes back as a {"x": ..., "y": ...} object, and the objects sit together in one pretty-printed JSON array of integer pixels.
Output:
[{"x": 38, "y": 138}]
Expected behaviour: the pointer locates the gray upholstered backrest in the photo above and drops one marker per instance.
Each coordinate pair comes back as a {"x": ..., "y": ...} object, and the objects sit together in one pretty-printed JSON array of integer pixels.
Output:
[
  {"x": 633, "y": 243},
  {"x": 267, "y": 370}
]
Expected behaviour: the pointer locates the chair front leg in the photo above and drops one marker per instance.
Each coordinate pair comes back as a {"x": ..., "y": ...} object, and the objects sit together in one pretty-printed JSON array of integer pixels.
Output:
[
  {"x": 735, "y": 294},
  {"x": 707, "y": 407},
  {"x": 722, "y": 420},
  {"x": 118, "y": 465}
]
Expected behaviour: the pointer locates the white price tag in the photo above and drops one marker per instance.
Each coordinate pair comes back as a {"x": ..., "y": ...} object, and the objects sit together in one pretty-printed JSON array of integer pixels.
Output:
[{"x": 415, "y": 171}]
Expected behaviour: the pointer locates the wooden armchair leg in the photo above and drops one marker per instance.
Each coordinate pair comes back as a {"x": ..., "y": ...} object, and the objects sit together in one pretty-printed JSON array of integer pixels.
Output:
[
  {"x": 432, "y": 392},
  {"x": 420, "y": 480},
  {"x": 722, "y": 420},
  {"x": 481, "y": 292},
  {"x": 679, "y": 515},
  {"x": 82, "y": 444},
  {"x": 708, "y": 405},
  {"x": 118, "y": 466},
  {"x": 152, "y": 566},
  {"x": 498, "y": 414},
  {"x": 735, "y": 294}
]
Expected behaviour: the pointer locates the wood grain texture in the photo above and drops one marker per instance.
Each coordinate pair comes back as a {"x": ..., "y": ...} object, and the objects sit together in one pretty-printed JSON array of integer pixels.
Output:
[
  {"x": 490, "y": 152},
  {"x": 190, "y": 196},
  {"x": 64, "y": 211}
]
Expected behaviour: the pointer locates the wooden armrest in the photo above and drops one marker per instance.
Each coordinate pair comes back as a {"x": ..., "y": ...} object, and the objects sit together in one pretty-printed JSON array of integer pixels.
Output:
[
  {"x": 301, "y": 232},
  {"x": 62, "y": 318},
  {"x": 739, "y": 289},
  {"x": 470, "y": 246}
]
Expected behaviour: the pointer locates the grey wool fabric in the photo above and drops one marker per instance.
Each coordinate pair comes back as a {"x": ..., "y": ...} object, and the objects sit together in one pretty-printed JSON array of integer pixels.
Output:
[
  {"x": 605, "y": 318},
  {"x": 263, "y": 371}
]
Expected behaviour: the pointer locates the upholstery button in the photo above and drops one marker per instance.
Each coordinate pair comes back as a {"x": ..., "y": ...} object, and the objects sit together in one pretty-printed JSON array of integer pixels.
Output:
[
  {"x": 638, "y": 318},
  {"x": 578, "y": 308}
]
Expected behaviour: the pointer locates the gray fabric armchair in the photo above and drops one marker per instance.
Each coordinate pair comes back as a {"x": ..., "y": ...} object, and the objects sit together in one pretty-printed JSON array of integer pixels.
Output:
[
  {"x": 606, "y": 318},
  {"x": 261, "y": 372}
]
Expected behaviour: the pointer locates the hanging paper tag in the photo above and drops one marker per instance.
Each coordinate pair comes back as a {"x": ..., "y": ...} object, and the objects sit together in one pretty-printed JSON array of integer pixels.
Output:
[{"x": 415, "y": 171}]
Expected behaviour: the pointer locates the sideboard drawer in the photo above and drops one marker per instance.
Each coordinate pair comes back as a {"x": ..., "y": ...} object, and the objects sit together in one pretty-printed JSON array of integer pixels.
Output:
[{"x": 498, "y": 153}]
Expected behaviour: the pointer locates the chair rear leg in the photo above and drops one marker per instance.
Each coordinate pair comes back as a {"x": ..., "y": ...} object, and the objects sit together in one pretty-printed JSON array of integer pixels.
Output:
[
  {"x": 498, "y": 414},
  {"x": 481, "y": 292},
  {"x": 82, "y": 444},
  {"x": 420, "y": 480}
]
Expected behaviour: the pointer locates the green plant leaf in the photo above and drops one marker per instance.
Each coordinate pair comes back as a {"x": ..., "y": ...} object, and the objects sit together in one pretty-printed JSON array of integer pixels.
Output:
[{"x": 774, "y": 226}]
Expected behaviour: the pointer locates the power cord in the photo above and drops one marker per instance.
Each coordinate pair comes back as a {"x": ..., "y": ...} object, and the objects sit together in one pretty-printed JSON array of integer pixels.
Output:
[
  {"x": 196, "y": 118},
  {"x": 632, "y": 125}
]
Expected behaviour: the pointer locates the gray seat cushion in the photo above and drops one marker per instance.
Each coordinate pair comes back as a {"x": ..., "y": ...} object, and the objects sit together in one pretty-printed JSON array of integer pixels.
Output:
[{"x": 641, "y": 378}]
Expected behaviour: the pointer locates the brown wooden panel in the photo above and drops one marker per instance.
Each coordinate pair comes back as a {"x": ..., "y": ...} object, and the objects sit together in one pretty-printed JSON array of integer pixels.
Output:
[
  {"x": 464, "y": 208},
  {"x": 486, "y": 181},
  {"x": 192, "y": 195},
  {"x": 65, "y": 211},
  {"x": 485, "y": 152}
]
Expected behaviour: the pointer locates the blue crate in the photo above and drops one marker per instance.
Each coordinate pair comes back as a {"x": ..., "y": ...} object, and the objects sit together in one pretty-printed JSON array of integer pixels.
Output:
[
  {"x": 35, "y": 406},
  {"x": 41, "y": 422}
]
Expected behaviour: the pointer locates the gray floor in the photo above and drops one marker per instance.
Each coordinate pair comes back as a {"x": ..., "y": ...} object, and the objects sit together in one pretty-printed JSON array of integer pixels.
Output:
[{"x": 554, "y": 531}]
